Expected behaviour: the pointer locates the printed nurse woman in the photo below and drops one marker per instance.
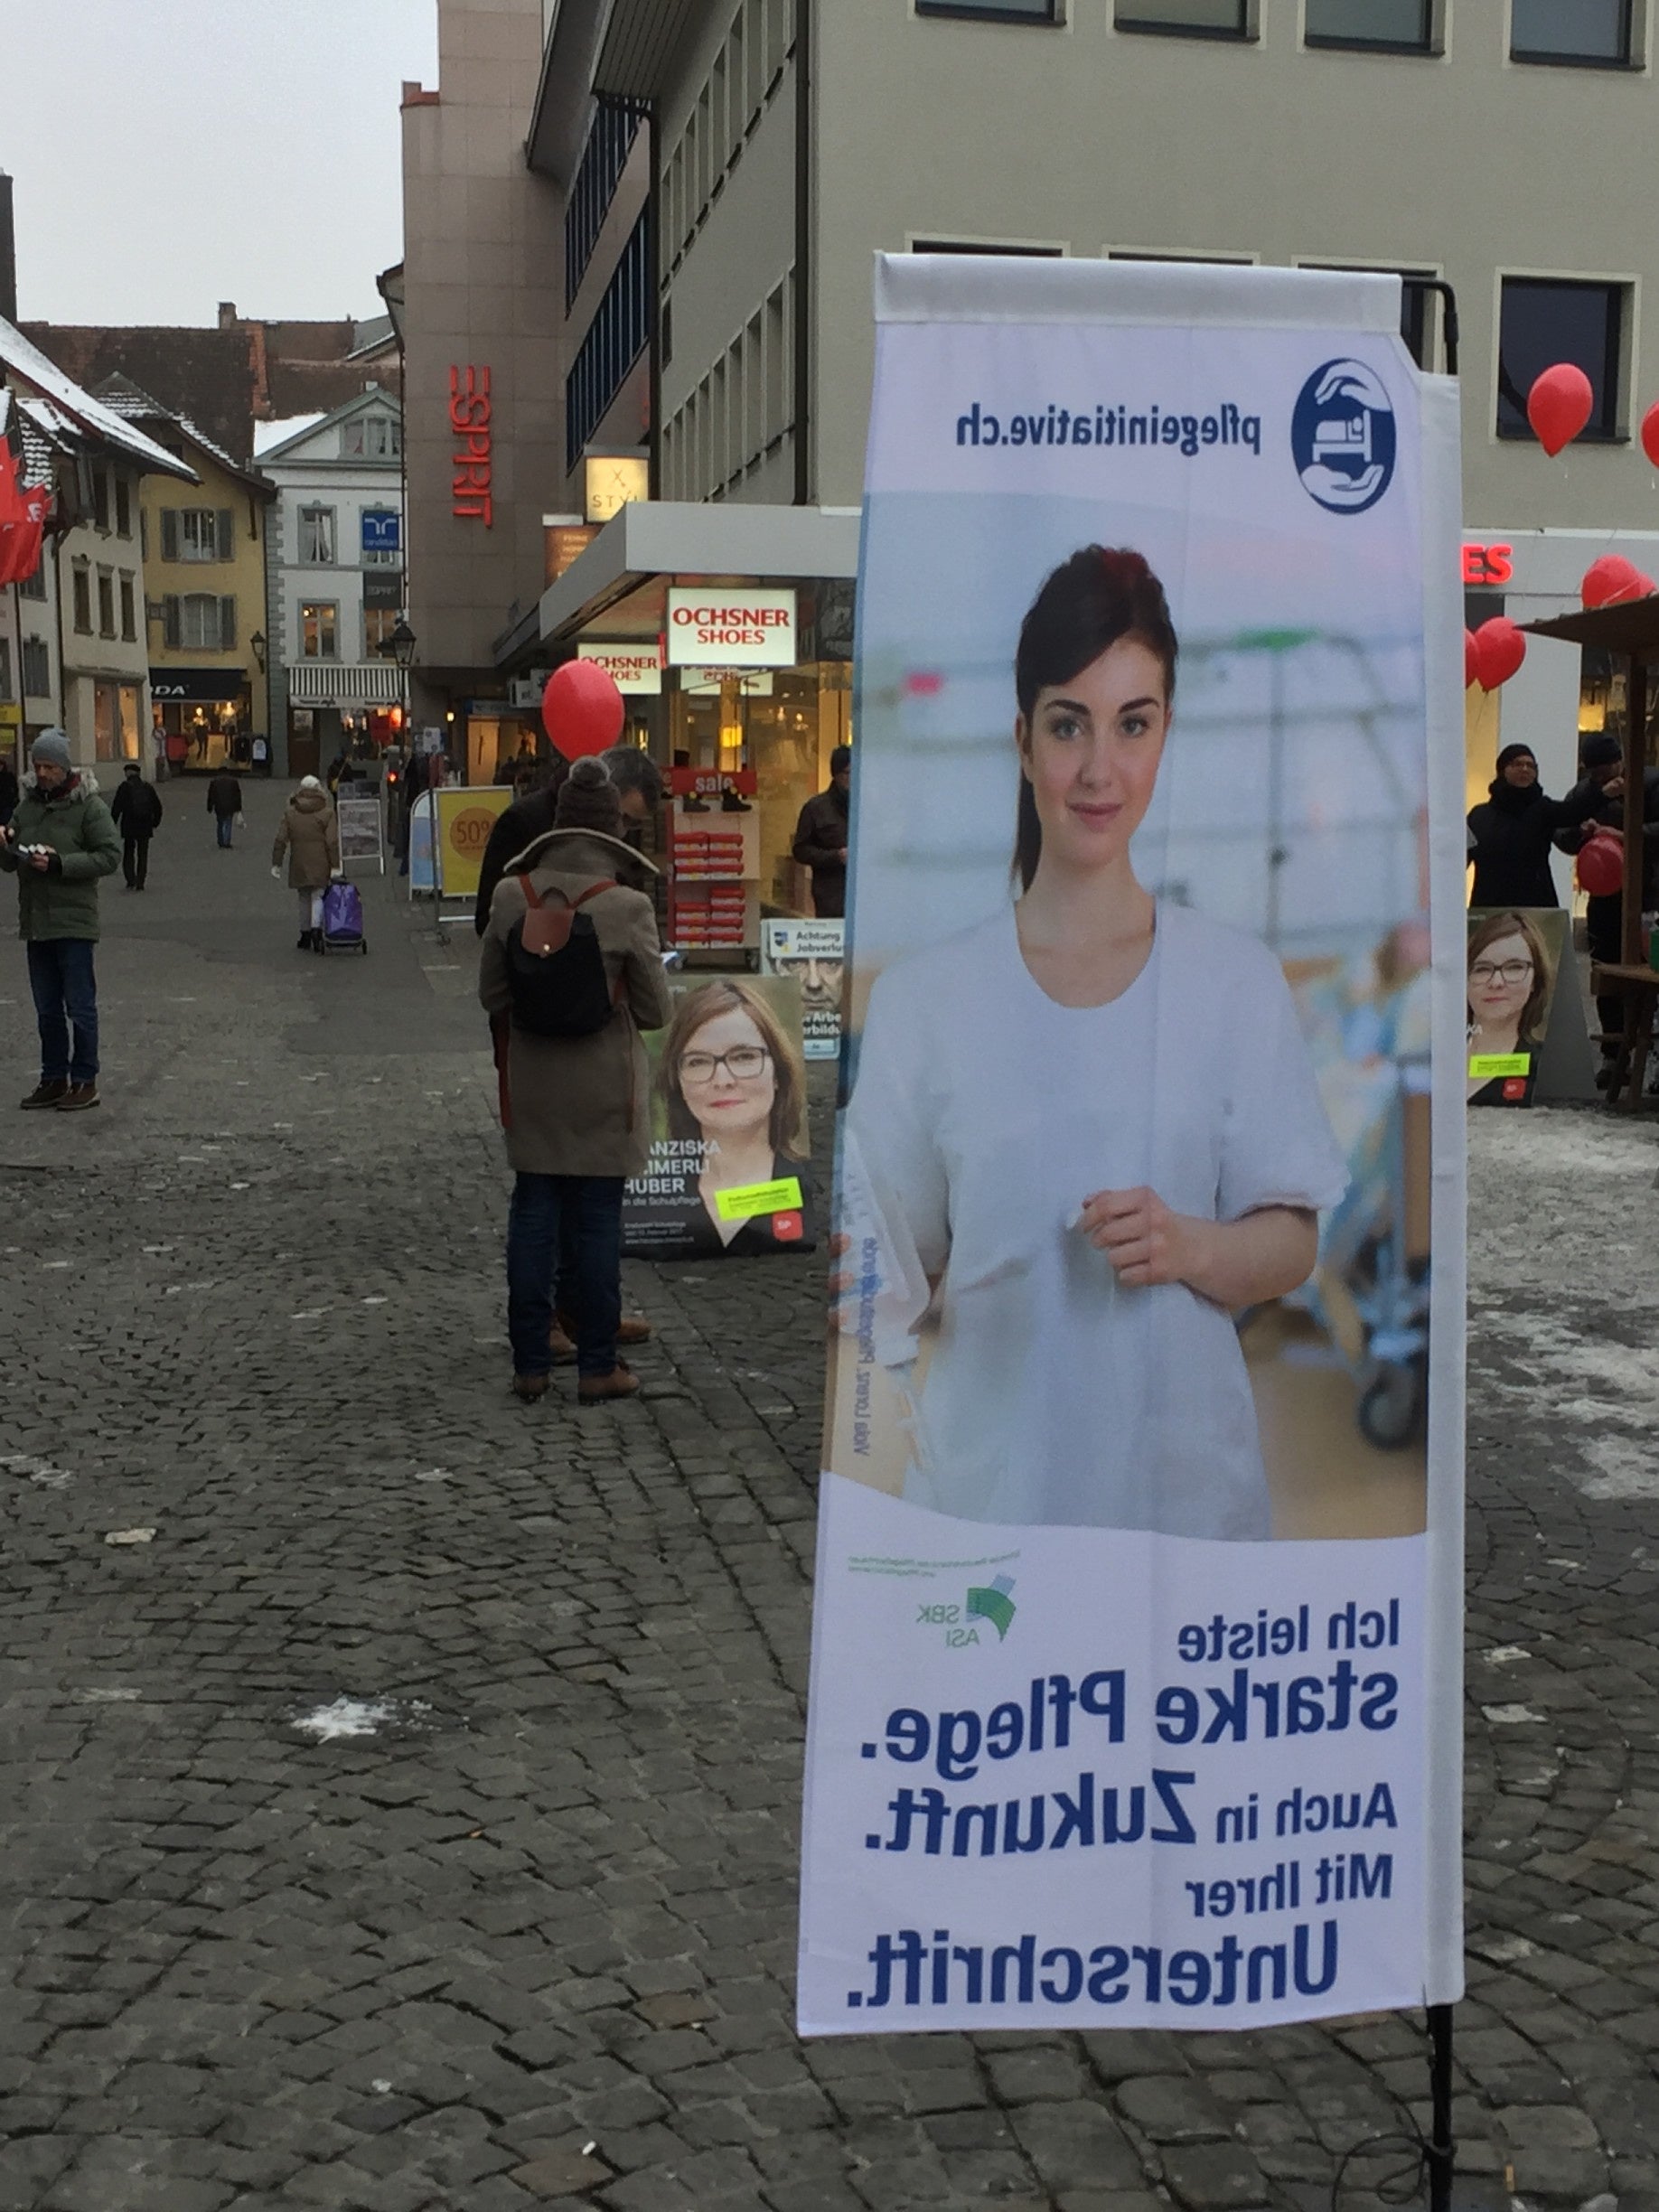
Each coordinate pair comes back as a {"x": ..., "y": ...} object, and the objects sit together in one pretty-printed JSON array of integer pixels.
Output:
[{"x": 1084, "y": 1134}]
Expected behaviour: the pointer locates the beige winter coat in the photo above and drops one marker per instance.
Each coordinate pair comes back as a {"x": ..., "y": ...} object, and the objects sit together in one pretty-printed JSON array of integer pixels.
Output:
[
  {"x": 580, "y": 1106},
  {"x": 310, "y": 837}
]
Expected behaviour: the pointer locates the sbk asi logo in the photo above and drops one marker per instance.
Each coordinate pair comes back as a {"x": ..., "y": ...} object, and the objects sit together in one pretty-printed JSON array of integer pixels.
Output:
[
  {"x": 992, "y": 1604},
  {"x": 1342, "y": 436}
]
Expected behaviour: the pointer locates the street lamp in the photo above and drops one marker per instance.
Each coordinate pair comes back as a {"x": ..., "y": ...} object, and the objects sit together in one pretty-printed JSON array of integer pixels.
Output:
[
  {"x": 403, "y": 643},
  {"x": 257, "y": 642}
]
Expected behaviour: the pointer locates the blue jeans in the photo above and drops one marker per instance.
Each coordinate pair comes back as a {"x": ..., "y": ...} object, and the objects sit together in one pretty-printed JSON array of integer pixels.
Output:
[
  {"x": 541, "y": 1206},
  {"x": 66, "y": 996},
  {"x": 225, "y": 824}
]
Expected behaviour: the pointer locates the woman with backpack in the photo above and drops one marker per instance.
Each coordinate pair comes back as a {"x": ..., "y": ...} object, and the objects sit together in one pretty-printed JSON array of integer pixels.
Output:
[{"x": 570, "y": 972}]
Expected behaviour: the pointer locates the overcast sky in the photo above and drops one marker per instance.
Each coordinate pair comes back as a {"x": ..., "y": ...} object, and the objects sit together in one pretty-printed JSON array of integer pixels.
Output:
[{"x": 170, "y": 154}]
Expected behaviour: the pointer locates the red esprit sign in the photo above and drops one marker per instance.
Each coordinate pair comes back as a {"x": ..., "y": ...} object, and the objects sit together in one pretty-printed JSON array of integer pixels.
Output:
[
  {"x": 469, "y": 418},
  {"x": 1487, "y": 564}
]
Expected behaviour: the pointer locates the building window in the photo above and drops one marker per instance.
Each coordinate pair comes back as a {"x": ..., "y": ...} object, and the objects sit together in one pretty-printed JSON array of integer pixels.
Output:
[
  {"x": 129, "y": 609},
  {"x": 82, "y": 584},
  {"x": 993, "y": 10},
  {"x": 1591, "y": 31},
  {"x": 101, "y": 496},
  {"x": 1186, "y": 18},
  {"x": 106, "y": 602},
  {"x": 106, "y": 720},
  {"x": 1417, "y": 324},
  {"x": 1544, "y": 319},
  {"x": 1397, "y": 26},
  {"x": 199, "y": 622},
  {"x": 379, "y": 622},
  {"x": 615, "y": 339},
  {"x": 36, "y": 658},
  {"x": 371, "y": 437},
  {"x": 124, "y": 508},
  {"x": 960, "y": 246},
  {"x": 197, "y": 533},
  {"x": 316, "y": 536},
  {"x": 319, "y": 619},
  {"x": 34, "y": 586},
  {"x": 381, "y": 534},
  {"x": 593, "y": 186}
]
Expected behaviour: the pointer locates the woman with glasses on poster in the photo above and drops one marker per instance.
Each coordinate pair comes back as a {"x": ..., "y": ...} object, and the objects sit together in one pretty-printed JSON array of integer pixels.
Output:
[
  {"x": 731, "y": 1079},
  {"x": 1508, "y": 1000},
  {"x": 1083, "y": 1136}
]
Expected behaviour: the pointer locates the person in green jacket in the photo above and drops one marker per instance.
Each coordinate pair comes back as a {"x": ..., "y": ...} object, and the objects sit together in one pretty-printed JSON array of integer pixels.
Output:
[{"x": 58, "y": 844}]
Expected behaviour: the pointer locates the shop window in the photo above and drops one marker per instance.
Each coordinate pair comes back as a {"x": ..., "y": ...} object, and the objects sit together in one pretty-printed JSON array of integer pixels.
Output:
[
  {"x": 124, "y": 508},
  {"x": 1590, "y": 33},
  {"x": 1390, "y": 26},
  {"x": 994, "y": 10},
  {"x": 319, "y": 622},
  {"x": 1545, "y": 319},
  {"x": 1187, "y": 18},
  {"x": 36, "y": 660},
  {"x": 82, "y": 585},
  {"x": 371, "y": 437},
  {"x": 130, "y": 610},
  {"x": 106, "y": 602},
  {"x": 316, "y": 536},
  {"x": 129, "y": 722},
  {"x": 379, "y": 622},
  {"x": 106, "y": 720}
]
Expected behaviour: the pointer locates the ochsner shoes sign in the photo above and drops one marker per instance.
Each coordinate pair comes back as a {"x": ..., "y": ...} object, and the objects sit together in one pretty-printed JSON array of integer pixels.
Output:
[
  {"x": 730, "y": 625},
  {"x": 1136, "y": 1667}
]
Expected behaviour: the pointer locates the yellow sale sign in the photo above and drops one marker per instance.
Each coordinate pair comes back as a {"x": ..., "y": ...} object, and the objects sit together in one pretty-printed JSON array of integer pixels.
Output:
[{"x": 465, "y": 819}]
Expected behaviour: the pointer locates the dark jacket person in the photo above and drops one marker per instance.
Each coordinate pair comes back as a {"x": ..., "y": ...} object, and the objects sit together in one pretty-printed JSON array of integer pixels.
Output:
[
  {"x": 135, "y": 811},
  {"x": 1514, "y": 832},
  {"x": 820, "y": 838},
  {"x": 576, "y": 1109}
]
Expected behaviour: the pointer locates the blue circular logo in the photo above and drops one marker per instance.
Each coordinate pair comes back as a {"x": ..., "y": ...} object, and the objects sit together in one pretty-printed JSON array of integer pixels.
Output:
[{"x": 1343, "y": 437}]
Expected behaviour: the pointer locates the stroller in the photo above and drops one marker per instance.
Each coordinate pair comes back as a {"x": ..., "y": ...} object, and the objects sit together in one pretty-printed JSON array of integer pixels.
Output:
[{"x": 342, "y": 920}]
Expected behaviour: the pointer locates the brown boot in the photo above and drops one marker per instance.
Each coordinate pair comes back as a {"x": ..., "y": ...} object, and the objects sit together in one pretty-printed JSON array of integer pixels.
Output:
[
  {"x": 562, "y": 1344},
  {"x": 78, "y": 1098},
  {"x": 632, "y": 1329},
  {"x": 45, "y": 1094},
  {"x": 594, "y": 1389},
  {"x": 529, "y": 1388}
]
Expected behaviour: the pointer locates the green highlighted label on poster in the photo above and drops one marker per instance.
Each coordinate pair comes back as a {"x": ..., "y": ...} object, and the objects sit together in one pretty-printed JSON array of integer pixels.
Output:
[
  {"x": 1484, "y": 1065},
  {"x": 784, "y": 1196}
]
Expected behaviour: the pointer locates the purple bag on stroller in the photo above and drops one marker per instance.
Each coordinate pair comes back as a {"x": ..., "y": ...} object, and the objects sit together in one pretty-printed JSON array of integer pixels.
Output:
[{"x": 343, "y": 919}]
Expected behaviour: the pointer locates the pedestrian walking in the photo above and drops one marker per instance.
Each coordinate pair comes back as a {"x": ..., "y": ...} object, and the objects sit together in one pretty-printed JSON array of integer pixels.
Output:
[
  {"x": 1513, "y": 830},
  {"x": 820, "y": 838},
  {"x": 224, "y": 800},
  {"x": 570, "y": 972},
  {"x": 309, "y": 837},
  {"x": 8, "y": 792},
  {"x": 1601, "y": 792},
  {"x": 135, "y": 811},
  {"x": 58, "y": 844}
]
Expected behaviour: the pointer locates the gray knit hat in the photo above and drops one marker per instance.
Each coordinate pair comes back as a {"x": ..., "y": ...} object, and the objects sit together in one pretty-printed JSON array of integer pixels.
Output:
[
  {"x": 588, "y": 799},
  {"x": 50, "y": 747}
]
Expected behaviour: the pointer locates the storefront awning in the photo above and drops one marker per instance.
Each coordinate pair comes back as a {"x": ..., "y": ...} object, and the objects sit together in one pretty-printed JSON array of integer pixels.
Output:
[
  {"x": 690, "y": 540},
  {"x": 345, "y": 683}
]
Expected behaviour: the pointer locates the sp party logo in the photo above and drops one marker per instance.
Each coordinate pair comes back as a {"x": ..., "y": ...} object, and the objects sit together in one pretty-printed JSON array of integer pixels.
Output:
[{"x": 1342, "y": 435}]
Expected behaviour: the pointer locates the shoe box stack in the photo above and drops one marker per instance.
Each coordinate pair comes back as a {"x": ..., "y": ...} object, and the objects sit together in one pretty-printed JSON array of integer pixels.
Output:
[{"x": 715, "y": 859}]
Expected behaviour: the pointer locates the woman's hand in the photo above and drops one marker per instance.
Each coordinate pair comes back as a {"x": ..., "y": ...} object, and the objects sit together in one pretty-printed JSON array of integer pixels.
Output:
[{"x": 1146, "y": 1242}]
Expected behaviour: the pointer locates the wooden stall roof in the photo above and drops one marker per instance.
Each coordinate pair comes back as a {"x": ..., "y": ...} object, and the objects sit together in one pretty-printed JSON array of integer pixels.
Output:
[{"x": 1632, "y": 627}]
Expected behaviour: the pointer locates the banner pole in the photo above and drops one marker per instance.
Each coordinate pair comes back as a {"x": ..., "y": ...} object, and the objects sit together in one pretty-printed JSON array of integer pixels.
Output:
[{"x": 1442, "y": 2148}]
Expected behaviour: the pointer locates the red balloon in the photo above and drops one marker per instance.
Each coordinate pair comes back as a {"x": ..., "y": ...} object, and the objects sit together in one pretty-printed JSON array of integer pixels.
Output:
[
  {"x": 1601, "y": 863},
  {"x": 1650, "y": 434},
  {"x": 581, "y": 708},
  {"x": 1611, "y": 579},
  {"x": 1500, "y": 650},
  {"x": 1471, "y": 659},
  {"x": 1559, "y": 406}
]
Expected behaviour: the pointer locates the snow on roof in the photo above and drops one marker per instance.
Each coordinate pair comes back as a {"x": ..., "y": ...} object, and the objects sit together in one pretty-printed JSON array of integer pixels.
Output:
[
  {"x": 77, "y": 411},
  {"x": 136, "y": 405},
  {"x": 269, "y": 434}
]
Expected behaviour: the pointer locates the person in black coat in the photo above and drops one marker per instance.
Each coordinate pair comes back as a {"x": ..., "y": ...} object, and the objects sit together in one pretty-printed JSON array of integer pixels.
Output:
[
  {"x": 821, "y": 838},
  {"x": 1600, "y": 792},
  {"x": 1512, "y": 832},
  {"x": 137, "y": 811}
]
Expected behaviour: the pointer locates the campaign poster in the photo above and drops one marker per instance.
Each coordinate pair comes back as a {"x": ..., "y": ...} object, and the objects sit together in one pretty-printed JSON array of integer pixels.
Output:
[
  {"x": 1136, "y": 1639},
  {"x": 729, "y": 1174},
  {"x": 814, "y": 953},
  {"x": 1514, "y": 958}
]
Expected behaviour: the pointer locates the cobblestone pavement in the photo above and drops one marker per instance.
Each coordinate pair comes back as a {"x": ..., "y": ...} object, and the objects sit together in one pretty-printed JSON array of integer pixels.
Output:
[{"x": 529, "y": 1940}]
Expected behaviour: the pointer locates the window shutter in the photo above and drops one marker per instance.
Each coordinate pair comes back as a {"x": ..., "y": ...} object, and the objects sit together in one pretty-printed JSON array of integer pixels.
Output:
[
  {"x": 170, "y": 610},
  {"x": 227, "y": 534},
  {"x": 170, "y": 533},
  {"x": 227, "y": 622}
]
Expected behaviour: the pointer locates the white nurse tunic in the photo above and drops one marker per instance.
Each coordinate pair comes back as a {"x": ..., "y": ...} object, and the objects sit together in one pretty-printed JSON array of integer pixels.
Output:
[{"x": 983, "y": 1114}]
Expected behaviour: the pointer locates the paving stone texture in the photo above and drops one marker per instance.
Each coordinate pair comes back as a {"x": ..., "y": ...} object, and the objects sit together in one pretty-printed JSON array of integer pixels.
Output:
[{"x": 528, "y": 1940}]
